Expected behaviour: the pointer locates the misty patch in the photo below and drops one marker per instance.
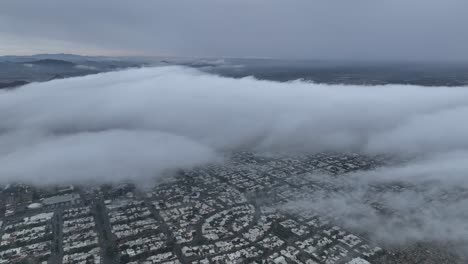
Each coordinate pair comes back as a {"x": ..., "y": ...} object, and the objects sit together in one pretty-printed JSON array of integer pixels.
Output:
[
  {"x": 423, "y": 200},
  {"x": 101, "y": 157}
]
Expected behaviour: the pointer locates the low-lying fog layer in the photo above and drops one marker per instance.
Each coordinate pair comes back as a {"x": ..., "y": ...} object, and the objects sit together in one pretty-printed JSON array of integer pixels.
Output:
[
  {"x": 424, "y": 200},
  {"x": 134, "y": 124}
]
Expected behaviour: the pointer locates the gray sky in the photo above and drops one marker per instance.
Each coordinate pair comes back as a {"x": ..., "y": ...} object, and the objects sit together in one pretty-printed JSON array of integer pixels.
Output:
[{"x": 312, "y": 29}]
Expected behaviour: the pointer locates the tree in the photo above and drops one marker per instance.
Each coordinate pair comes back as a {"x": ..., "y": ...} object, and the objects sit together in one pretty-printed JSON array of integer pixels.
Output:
[
  {"x": 110, "y": 251},
  {"x": 124, "y": 259}
]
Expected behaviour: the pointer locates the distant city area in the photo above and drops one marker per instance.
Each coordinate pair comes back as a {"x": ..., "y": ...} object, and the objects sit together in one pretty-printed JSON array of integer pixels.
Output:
[
  {"x": 344, "y": 72},
  {"x": 218, "y": 213}
]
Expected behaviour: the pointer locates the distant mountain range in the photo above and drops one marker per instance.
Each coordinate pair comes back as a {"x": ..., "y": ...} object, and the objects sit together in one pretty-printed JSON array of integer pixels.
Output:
[
  {"x": 12, "y": 84},
  {"x": 59, "y": 56},
  {"x": 52, "y": 62},
  {"x": 19, "y": 70}
]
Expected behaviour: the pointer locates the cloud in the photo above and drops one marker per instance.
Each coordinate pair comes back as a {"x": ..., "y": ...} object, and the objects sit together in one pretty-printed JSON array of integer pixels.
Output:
[
  {"x": 422, "y": 201},
  {"x": 425, "y": 199},
  {"x": 100, "y": 114},
  {"x": 138, "y": 123},
  {"x": 102, "y": 157},
  {"x": 86, "y": 67}
]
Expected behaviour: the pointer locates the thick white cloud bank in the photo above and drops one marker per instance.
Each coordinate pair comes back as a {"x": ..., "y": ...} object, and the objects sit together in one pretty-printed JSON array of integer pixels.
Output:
[{"x": 137, "y": 123}]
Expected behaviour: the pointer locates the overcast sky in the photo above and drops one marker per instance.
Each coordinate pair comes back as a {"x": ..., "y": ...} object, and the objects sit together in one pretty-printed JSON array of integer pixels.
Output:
[{"x": 309, "y": 29}]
